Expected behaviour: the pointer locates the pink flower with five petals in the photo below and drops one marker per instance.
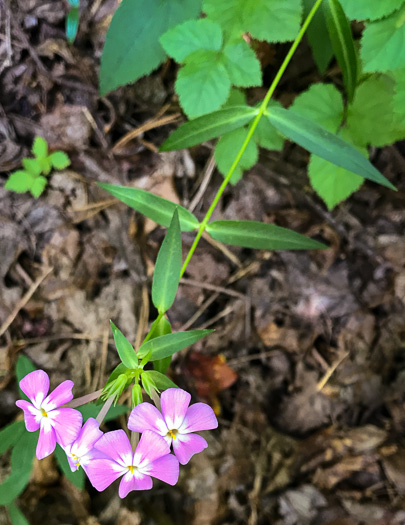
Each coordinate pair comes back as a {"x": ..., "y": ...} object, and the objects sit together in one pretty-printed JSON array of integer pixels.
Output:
[
  {"x": 176, "y": 423},
  {"x": 55, "y": 424}
]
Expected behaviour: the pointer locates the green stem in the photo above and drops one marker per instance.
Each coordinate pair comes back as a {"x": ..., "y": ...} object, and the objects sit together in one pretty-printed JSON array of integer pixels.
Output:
[{"x": 249, "y": 135}]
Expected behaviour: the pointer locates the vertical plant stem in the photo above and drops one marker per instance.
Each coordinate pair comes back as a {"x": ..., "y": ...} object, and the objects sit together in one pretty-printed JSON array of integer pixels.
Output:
[{"x": 249, "y": 135}]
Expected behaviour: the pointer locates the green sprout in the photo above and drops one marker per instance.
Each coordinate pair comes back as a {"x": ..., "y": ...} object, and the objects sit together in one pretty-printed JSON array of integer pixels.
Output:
[{"x": 31, "y": 178}]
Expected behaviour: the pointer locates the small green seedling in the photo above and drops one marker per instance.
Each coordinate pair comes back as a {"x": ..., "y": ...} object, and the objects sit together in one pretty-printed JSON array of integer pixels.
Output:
[{"x": 31, "y": 178}]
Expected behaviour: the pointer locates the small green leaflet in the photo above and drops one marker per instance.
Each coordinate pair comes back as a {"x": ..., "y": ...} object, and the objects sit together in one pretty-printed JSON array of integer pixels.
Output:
[
  {"x": 340, "y": 34},
  {"x": 78, "y": 477},
  {"x": 166, "y": 345},
  {"x": 370, "y": 9},
  {"x": 132, "y": 47},
  {"x": 383, "y": 43},
  {"x": 32, "y": 166},
  {"x": 259, "y": 235},
  {"x": 209, "y": 127},
  {"x": 225, "y": 150},
  {"x": 318, "y": 38},
  {"x": 320, "y": 141},
  {"x": 124, "y": 348},
  {"x": 40, "y": 148},
  {"x": 10, "y": 435},
  {"x": 203, "y": 83},
  {"x": 156, "y": 208},
  {"x": 38, "y": 186},
  {"x": 168, "y": 267},
  {"x": 160, "y": 381},
  {"x": 59, "y": 160},
  {"x": 19, "y": 181},
  {"x": 271, "y": 20},
  {"x": 332, "y": 183},
  {"x": 242, "y": 65},
  {"x": 193, "y": 35}
]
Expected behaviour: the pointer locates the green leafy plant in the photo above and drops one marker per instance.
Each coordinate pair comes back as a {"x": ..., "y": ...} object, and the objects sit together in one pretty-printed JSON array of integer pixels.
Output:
[
  {"x": 217, "y": 52},
  {"x": 72, "y": 20},
  {"x": 32, "y": 178}
]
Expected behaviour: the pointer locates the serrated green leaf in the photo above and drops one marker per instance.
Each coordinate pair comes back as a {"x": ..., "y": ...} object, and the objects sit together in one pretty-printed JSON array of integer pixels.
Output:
[
  {"x": 92, "y": 410},
  {"x": 23, "y": 367},
  {"x": 10, "y": 435},
  {"x": 59, "y": 160},
  {"x": 236, "y": 98},
  {"x": 166, "y": 345},
  {"x": 19, "y": 181},
  {"x": 168, "y": 267},
  {"x": 321, "y": 103},
  {"x": 193, "y": 35},
  {"x": 156, "y": 208},
  {"x": 340, "y": 34},
  {"x": 332, "y": 183},
  {"x": 370, "y": 9},
  {"x": 72, "y": 24},
  {"x": 225, "y": 153},
  {"x": 203, "y": 83},
  {"x": 371, "y": 118},
  {"x": 160, "y": 381},
  {"x": 321, "y": 142},
  {"x": 209, "y": 127},
  {"x": 78, "y": 477},
  {"x": 271, "y": 20},
  {"x": 260, "y": 235},
  {"x": 242, "y": 65},
  {"x": 383, "y": 43},
  {"x": 132, "y": 47},
  {"x": 40, "y": 148},
  {"x": 38, "y": 186},
  {"x": 124, "y": 348},
  {"x": 32, "y": 166},
  {"x": 16, "y": 516},
  {"x": 399, "y": 96},
  {"x": 318, "y": 38},
  {"x": 46, "y": 165}
]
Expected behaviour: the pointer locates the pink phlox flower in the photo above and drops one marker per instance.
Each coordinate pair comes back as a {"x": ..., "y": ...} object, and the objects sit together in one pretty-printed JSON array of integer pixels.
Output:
[
  {"x": 82, "y": 451},
  {"x": 57, "y": 425},
  {"x": 151, "y": 458},
  {"x": 176, "y": 423}
]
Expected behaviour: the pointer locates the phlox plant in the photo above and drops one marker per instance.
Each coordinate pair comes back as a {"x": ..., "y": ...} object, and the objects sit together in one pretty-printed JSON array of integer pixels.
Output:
[{"x": 169, "y": 425}]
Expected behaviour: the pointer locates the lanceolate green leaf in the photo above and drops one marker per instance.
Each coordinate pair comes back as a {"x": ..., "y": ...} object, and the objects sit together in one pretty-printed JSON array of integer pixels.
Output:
[
  {"x": 12, "y": 486},
  {"x": 259, "y": 235},
  {"x": 16, "y": 516},
  {"x": 168, "y": 267},
  {"x": 318, "y": 38},
  {"x": 77, "y": 477},
  {"x": 23, "y": 367},
  {"x": 330, "y": 147},
  {"x": 132, "y": 47},
  {"x": 166, "y": 345},
  {"x": 342, "y": 42},
  {"x": 161, "y": 328},
  {"x": 156, "y": 208},
  {"x": 159, "y": 380},
  {"x": 124, "y": 348},
  {"x": 209, "y": 127},
  {"x": 10, "y": 435}
]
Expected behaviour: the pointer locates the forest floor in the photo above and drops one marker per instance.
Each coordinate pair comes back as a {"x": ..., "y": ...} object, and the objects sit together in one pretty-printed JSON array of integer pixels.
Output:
[{"x": 306, "y": 367}]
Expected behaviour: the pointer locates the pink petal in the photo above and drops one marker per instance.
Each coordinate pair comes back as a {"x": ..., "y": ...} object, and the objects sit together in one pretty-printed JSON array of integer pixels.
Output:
[
  {"x": 198, "y": 417},
  {"x": 150, "y": 447},
  {"x": 134, "y": 482},
  {"x": 147, "y": 417},
  {"x": 116, "y": 445},
  {"x": 32, "y": 416},
  {"x": 35, "y": 386},
  {"x": 174, "y": 406},
  {"x": 58, "y": 397},
  {"x": 103, "y": 472},
  {"x": 165, "y": 469},
  {"x": 88, "y": 436},
  {"x": 67, "y": 423},
  {"x": 47, "y": 440},
  {"x": 186, "y": 445}
]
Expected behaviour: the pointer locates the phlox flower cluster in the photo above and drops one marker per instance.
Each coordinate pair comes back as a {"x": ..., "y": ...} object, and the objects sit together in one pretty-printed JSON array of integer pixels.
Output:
[{"x": 108, "y": 456}]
